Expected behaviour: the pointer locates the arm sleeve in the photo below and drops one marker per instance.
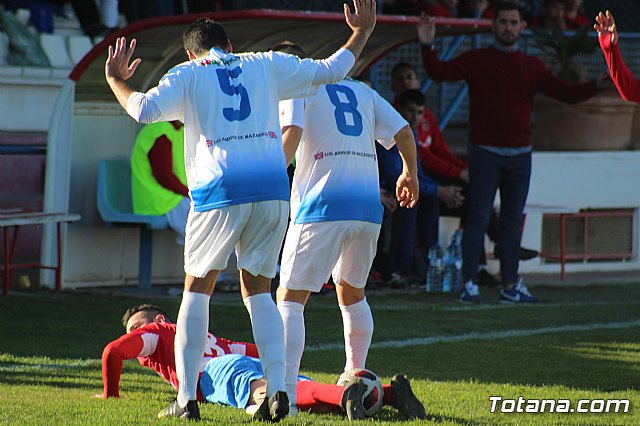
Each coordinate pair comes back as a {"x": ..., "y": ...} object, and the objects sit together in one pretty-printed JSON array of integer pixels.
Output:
[
  {"x": 161, "y": 161},
  {"x": 388, "y": 121},
  {"x": 141, "y": 109},
  {"x": 626, "y": 83},
  {"x": 334, "y": 68},
  {"x": 241, "y": 348},
  {"x": 562, "y": 90},
  {"x": 298, "y": 78},
  {"x": 438, "y": 70},
  {"x": 292, "y": 113},
  {"x": 128, "y": 346},
  {"x": 165, "y": 102}
]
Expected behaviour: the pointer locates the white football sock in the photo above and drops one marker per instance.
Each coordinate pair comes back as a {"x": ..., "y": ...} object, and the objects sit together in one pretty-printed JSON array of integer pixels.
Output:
[
  {"x": 191, "y": 338},
  {"x": 268, "y": 333},
  {"x": 293, "y": 318},
  {"x": 358, "y": 330}
]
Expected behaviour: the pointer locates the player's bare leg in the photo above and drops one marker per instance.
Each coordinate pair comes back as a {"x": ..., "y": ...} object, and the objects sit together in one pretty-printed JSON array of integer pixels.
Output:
[{"x": 268, "y": 334}]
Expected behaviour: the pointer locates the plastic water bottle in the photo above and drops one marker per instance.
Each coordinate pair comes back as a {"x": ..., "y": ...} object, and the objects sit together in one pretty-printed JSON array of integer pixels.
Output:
[
  {"x": 455, "y": 262},
  {"x": 448, "y": 268},
  {"x": 434, "y": 272}
]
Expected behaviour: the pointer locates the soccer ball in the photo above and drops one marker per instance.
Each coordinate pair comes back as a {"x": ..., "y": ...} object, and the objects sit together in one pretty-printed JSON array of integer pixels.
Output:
[{"x": 372, "y": 398}]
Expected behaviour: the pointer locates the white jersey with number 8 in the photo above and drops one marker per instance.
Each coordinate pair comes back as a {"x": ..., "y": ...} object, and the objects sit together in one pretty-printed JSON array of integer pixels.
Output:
[{"x": 336, "y": 175}]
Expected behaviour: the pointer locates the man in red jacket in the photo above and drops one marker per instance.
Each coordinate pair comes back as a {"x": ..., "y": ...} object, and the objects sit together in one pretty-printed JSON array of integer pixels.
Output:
[
  {"x": 626, "y": 83},
  {"x": 450, "y": 172},
  {"x": 503, "y": 82}
]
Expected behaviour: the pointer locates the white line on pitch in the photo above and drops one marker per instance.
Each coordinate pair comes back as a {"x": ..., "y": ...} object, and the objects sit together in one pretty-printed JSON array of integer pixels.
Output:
[
  {"x": 470, "y": 307},
  {"x": 424, "y": 341}
]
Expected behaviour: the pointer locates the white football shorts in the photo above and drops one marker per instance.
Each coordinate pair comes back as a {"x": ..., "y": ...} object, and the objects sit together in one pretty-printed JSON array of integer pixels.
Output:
[
  {"x": 343, "y": 249},
  {"x": 256, "y": 230}
]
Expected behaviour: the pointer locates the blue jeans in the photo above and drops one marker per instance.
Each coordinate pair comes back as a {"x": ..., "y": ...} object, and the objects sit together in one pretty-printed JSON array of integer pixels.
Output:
[{"x": 489, "y": 172}]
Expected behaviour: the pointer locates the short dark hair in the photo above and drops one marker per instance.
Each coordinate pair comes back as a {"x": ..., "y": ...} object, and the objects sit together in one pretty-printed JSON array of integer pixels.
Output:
[
  {"x": 401, "y": 65},
  {"x": 151, "y": 310},
  {"x": 412, "y": 95},
  {"x": 289, "y": 47},
  {"x": 204, "y": 34},
  {"x": 507, "y": 5}
]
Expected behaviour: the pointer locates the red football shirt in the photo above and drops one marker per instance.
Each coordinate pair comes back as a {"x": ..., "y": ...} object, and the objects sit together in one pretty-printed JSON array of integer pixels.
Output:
[{"x": 153, "y": 346}]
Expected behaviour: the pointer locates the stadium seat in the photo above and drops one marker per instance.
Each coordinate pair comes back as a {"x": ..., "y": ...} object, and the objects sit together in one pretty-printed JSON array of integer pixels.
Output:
[
  {"x": 116, "y": 209},
  {"x": 54, "y": 46},
  {"x": 79, "y": 45}
]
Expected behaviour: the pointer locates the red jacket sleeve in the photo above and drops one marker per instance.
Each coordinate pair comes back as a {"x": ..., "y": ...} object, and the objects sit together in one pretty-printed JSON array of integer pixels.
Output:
[
  {"x": 161, "y": 160},
  {"x": 249, "y": 348},
  {"x": 126, "y": 347},
  {"x": 437, "y": 159},
  {"x": 564, "y": 91},
  {"x": 453, "y": 70},
  {"x": 627, "y": 84}
]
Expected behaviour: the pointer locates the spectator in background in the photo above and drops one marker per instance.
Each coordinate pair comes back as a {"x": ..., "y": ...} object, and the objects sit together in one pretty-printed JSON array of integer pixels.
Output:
[
  {"x": 404, "y": 222},
  {"x": 409, "y": 7},
  {"x": 442, "y": 8},
  {"x": 446, "y": 170},
  {"x": 449, "y": 197},
  {"x": 197, "y": 6},
  {"x": 398, "y": 268},
  {"x": 9, "y": 5},
  {"x": 502, "y": 84},
  {"x": 158, "y": 177},
  {"x": 552, "y": 15},
  {"x": 573, "y": 15},
  {"x": 96, "y": 18},
  {"x": 628, "y": 86},
  {"x": 136, "y": 10},
  {"x": 439, "y": 8}
]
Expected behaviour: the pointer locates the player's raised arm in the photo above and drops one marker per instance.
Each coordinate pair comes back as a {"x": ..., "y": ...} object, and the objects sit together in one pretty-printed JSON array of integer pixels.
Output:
[
  {"x": 118, "y": 70},
  {"x": 605, "y": 25},
  {"x": 627, "y": 84},
  {"x": 362, "y": 23}
]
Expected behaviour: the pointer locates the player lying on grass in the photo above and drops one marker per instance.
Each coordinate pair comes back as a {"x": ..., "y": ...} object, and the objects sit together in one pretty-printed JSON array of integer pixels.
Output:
[{"x": 229, "y": 374}]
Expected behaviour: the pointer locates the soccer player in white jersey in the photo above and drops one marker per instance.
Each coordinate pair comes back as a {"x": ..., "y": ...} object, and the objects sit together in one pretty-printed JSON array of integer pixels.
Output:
[
  {"x": 335, "y": 208},
  {"x": 236, "y": 176}
]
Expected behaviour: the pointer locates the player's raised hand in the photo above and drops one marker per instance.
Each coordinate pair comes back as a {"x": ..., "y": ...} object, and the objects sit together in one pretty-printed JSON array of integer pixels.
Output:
[
  {"x": 364, "y": 16},
  {"x": 605, "y": 24},
  {"x": 407, "y": 189},
  {"x": 426, "y": 29},
  {"x": 117, "y": 65}
]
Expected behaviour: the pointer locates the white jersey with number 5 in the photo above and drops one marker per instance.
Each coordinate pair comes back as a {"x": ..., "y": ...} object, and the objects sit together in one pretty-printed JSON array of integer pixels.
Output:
[
  {"x": 228, "y": 102},
  {"x": 336, "y": 175}
]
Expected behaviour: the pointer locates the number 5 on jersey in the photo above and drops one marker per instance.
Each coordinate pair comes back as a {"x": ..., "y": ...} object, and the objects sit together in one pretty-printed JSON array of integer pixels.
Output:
[
  {"x": 348, "y": 119},
  {"x": 224, "y": 78}
]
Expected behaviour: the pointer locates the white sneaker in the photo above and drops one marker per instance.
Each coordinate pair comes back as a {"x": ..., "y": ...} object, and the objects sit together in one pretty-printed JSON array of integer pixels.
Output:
[
  {"x": 471, "y": 293},
  {"x": 251, "y": 409}
]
